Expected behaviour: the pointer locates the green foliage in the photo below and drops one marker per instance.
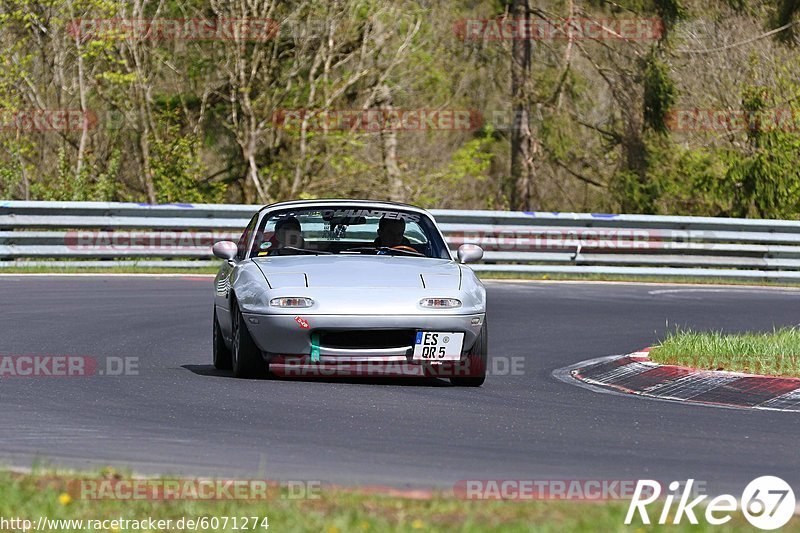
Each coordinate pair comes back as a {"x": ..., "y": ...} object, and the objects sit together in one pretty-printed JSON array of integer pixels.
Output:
[
  {"x": 557, "y": 137},
  {"x": 787, "y": 11},
  {"x": 756, "y": 178},
  {"x": 765, "y": 180},
  {"x": 634, "y": 194},
  {"x": 690, "y": 180},
  {"x": 659, "y": 93},
  {"x": 185, "y": 114},
  {"x": 66, "y": 184},
  {"x": 472, "y": 159},
  {"x": 13, "y": 170},
  {"x": 178, "y": 173},
  {"x": 670, "y": 11},
  {"x": 467, "y": 167}
]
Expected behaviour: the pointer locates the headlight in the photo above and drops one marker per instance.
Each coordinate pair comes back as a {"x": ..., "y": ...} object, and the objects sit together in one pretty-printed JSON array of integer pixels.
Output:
[
  {"x": 291, "y": 302},
  {"x": 440, "y": 303}
]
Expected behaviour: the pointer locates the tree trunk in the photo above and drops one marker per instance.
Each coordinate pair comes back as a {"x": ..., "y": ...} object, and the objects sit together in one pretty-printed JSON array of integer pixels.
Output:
[
  {"x": 26, "y": 183},
  {"x": 522, "y": 143},
  {"x": 147, "y": 175},
  {"x": 252, "y": 166},
  {"x": 84, "y": 110},
  {"x": 394, "y": 182},
  {"x": 144, "y": 102},
  {"x": 396, "y": 189}
]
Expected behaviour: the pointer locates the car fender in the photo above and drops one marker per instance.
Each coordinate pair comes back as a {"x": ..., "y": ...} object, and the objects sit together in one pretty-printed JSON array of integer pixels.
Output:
[
  {"x": 249, "y": 285},
  {"x": 473, "y": 290}
]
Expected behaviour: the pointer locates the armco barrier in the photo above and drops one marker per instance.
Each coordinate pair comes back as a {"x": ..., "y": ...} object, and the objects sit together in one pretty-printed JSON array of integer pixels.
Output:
[{"x": 99, "y": 234}]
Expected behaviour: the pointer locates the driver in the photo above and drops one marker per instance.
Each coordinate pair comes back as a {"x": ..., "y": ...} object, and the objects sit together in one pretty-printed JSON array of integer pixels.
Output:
[
  {"x": 287, "y": 233},
  {"x": 390, "y": 233}
]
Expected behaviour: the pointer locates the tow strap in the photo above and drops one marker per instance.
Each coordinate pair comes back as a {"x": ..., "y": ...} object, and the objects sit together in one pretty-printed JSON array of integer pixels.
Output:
[{"x": 315, "y": 347}]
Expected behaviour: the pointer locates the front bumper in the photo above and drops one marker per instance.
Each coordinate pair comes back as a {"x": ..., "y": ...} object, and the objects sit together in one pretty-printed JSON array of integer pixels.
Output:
[{"x": 290, "y": 335}]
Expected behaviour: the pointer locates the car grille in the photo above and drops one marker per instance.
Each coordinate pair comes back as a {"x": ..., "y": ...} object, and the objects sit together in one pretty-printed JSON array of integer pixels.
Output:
[{"x": 367, "y": 338}]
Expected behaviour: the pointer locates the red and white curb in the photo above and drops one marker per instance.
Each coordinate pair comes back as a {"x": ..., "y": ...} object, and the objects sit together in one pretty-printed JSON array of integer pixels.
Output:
[{"x": 636, "y": 374}]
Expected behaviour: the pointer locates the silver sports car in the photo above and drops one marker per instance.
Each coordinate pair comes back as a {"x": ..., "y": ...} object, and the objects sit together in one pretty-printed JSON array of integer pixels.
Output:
[{"x": 315, "y": 287}]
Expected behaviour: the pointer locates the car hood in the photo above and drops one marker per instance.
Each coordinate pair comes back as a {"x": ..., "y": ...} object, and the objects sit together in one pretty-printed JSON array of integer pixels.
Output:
[{"x": 356, "y": 271}]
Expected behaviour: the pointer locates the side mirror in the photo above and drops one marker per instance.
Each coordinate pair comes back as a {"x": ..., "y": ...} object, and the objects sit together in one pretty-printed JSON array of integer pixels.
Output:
[
  {"x": 225, "y": 250},
  {"x": 469, "y": 253}
]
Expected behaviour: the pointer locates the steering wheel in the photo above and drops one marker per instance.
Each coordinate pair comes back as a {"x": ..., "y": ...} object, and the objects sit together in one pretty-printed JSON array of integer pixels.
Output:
[{"x": 404, "y": 248}]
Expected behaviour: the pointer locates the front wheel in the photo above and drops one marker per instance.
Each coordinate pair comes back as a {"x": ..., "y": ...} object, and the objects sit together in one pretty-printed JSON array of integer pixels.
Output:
[
  {"x": 221, "y": 353},
  {"x": 247, "y": 360},
  {"x": 472, "y": 372}
]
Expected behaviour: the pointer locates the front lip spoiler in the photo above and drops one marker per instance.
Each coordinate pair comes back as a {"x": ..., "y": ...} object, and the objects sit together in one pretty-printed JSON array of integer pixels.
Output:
[{"x": 362, "y": 359}]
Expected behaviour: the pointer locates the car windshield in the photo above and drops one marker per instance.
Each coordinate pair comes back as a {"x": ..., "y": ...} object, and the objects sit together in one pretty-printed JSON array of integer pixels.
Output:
[{"x": 344, "y": 230}]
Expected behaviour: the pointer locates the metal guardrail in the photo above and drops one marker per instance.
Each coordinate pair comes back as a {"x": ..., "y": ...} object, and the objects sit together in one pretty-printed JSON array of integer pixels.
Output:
[{"x": 100, "y": 234}]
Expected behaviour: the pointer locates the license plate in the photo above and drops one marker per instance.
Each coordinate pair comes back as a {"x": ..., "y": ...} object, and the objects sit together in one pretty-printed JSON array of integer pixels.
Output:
[{"x": 438, "y": 346}]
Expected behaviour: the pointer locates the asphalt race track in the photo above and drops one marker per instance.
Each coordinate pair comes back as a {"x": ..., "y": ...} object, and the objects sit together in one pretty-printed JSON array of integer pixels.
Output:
[{"x": 179, "y": 416}]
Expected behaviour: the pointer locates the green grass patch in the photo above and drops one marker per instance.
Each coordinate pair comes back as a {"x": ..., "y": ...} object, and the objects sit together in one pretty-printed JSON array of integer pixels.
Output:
[
  {"x": 775, "y": 353},
  {"x": 335, "y": 510}
]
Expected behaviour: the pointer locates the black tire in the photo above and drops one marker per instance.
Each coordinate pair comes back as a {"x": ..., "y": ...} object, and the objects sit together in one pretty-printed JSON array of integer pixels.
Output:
[
  {"x": 222, "y": 355},
  {"x": 472, "y": 373},
  {"x": 246, "y": 357}
]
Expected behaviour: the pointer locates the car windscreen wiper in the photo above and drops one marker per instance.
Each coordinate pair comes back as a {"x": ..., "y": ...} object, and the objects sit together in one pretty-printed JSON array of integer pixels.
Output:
[
  {"x": 384, "y": 249},
  {"x": 305, "y": 251}
]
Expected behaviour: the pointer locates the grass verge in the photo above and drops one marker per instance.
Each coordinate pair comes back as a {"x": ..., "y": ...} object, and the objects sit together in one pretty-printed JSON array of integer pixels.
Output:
[
  {"x": 30, "y": 496},
  {"x": 775, "y": 353}
]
